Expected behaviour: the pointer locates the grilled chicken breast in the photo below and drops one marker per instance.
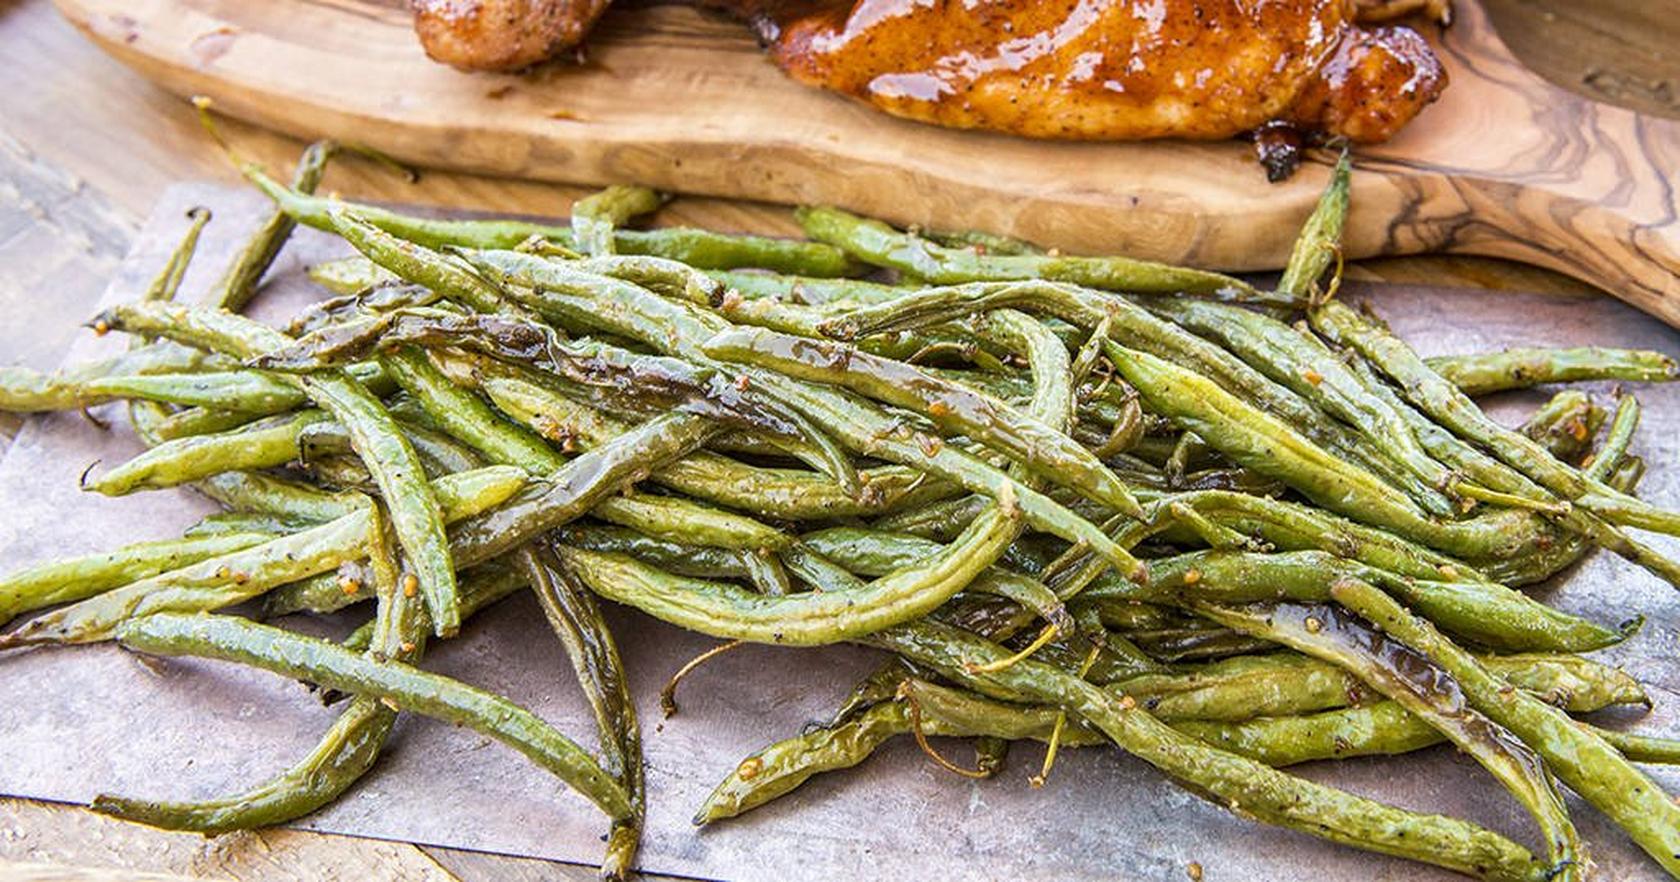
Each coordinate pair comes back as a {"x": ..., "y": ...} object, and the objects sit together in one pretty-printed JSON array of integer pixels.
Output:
[
  {"x": 501, "y": 35},
  {"x": 1070, "y": 69},
  {"x": 1113, "y": 69}
]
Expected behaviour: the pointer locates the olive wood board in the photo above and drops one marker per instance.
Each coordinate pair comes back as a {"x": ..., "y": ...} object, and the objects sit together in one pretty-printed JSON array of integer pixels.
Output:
[
  {"x": 1504, "y": 164},
  {"x": 79, "y": 721}
]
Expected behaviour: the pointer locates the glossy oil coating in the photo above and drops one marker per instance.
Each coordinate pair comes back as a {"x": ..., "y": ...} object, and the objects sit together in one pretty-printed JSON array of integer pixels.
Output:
[{"x": 1110, "y": 69}]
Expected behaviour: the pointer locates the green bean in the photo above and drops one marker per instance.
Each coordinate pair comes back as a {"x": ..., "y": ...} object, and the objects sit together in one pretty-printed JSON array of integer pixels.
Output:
[
  {"x": 980, "y": 241},
  {"x": 577, "y": 621},
  {"x": 679, "y": 520},
  {"x": 595, "y": 217},
  {"x": 1304, "y": 365},
  {"x": 876, "y": 553},
  {"x": 76, "y": 578},
  {"x": 1320, "y": 238},
  {"x": 806, "y": 619},
  {"x": 1380, "y": 729},
  {"x": 1132, "y": 327},
  {"x": 601, "y": 371},
  {"x": 1642, "y": 748},
  {"x": 247, "y": 491},
  {"x": 881, "y": 245},
  {"x": 783, "y": 766},
  {"x": 1565, "y": 425},
  {"x": 167, "y": 282},
  {"x": 348, "y": 584},
  {"x": 1286, "y": 683},
  {"x": 1244, "y": 687},
  {"x": 1616, "y": 442},
  {"x": 1408, "y": 679},
  {"x": 226, "y": 522},
  {"x": 703, "y": 249},
  {"x": 684, "y": 560},
  {"x": 231, "y": 639},
  {"x": 856, "y": 424},
  {"x": 1124, "y": 615},
  {"x": 1272, "y": 714},
  {"x": 1578, "y": 757},
  {"x": 668, "y": 277},
  {"x": 1441, "y": 400},
  {"x": 362, "y": 304},
  {"x": 1196, "y": 644},
  {"x": 198, "y": 421},
  {"x": 376, "y": 437},
  {"x": 220, "y": 581},
  {"x": 415, "y": 263},
  {"x": 1258, "y": 791},
  {"x": 345, "y": 752},
  {"x": 1260, "y": 441},
  {"x": 250, "y": 392},
  {"x": 439, "y": 453},
  {"x": 247, "y": 391},
  {"x": 1492, "y": 473},
  {"x": 1519, "y": 368},
  {"x": 955, "y": 409},
  {"x": 776, "y": 493},
  {"x": 238, "y": 283},
  {"x": 27, "y": 390},
  {"x": 578, "y": 486},
  {"x": 467, "y": 417},
  {"x": 349, "y": 276},
  {"x": 270, "y": 442},
  {"x": 804, "y": 289},
  {"x": 1487, "y": 612}
]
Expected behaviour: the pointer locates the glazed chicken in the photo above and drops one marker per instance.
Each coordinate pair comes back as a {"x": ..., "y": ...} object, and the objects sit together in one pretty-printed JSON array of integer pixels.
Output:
[
  {"x": 501, "y": 35},
  {"x": 1068, "y": 69}
]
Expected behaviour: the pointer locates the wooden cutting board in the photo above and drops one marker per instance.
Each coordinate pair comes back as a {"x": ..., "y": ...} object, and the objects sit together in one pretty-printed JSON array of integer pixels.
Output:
[{"x": 1504, "y": 164}]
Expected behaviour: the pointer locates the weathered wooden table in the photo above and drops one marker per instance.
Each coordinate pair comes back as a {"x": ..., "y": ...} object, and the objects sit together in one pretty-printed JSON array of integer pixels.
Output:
[{"x": 86, "y": 147}]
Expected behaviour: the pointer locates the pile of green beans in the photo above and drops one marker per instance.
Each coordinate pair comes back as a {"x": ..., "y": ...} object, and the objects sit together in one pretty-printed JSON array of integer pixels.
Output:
[{"x": 1084, "y": 501}]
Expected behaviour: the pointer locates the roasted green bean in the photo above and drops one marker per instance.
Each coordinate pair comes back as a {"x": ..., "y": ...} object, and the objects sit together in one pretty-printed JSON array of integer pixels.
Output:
[
  {"x": 234, "y": 639},
  {"x": 1519, "y": 368}
]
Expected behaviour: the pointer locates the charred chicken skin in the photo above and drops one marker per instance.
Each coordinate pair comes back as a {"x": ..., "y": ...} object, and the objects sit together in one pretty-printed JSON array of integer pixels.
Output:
[{"x": 1069, "y": 69}]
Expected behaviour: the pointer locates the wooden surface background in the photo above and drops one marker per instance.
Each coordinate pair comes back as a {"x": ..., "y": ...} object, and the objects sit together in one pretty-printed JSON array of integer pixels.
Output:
[{"x": 86, "y": 146}]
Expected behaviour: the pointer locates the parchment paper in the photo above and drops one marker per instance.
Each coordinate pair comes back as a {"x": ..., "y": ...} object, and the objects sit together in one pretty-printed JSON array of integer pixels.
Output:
[{"x": 81, "y": 721}]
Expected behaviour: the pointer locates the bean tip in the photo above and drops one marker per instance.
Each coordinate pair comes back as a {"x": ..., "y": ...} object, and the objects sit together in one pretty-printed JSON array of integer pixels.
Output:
[{"x": 82, "y": 481}]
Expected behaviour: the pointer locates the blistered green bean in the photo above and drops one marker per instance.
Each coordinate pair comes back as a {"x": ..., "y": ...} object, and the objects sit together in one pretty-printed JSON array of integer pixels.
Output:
[
  {"x": 1519, "y": 368},
  {"x": 881, "y": 245},
  {"x": 231, "y": 578},
  {"x": 233, "y": 639}
]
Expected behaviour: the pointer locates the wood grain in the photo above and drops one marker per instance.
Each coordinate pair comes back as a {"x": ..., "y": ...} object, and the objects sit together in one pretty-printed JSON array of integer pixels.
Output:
[{"x": 1505, "y": 164}]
